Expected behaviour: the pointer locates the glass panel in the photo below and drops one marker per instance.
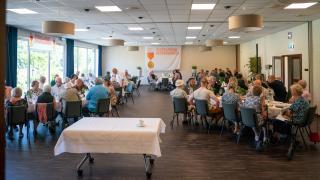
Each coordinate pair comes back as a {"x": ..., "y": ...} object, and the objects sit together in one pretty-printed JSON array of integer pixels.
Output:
[
  {"x": 57, "y": 61},
  {"x": 277, "y": 68},
  {"x": 39, "y": 61},
  {"x": 82, "y": 60},
  {"x": 91, "y": 60},
  {"x": 23, "y": 65},
  {"x": 296, "y": 69}
]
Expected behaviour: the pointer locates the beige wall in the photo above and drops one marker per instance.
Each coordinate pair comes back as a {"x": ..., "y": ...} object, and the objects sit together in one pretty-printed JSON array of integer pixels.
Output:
[{"x": 119, "y": 57}]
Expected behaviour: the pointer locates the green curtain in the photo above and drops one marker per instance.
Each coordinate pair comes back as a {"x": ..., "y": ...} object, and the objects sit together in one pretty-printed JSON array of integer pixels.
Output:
[
  {"x": 70, "y": 57},
  {"x": 12, "y": 56}
]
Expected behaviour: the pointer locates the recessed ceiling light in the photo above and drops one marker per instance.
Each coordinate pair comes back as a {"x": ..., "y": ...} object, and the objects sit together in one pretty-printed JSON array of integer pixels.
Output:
[
  {"x": 108, "y": 8},
  {"x": 147, "y": 37},
  {"x": 155, "y": 43},
  {"x": 191, "y": 37},
  {"x": 135, "y": 28},
  {"x": 188, "y": 43},
  {"x": 300, "y": 5},
  {"x": 106, "y": 38},
  {"x": 234, "y": 37},
  {"x": 23, "y": 11},
  {"x": 225, "y": 42},
  {"x": 202, "y": 6},
  {"x": 194, "y": 27},
  {"x": 81, "y": 30}
]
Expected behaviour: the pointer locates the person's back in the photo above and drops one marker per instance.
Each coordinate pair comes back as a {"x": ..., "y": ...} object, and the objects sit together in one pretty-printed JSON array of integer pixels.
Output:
[
  {"x": 95, "y": 93},
  {"x": 279, "y": 90},
  {"x": 71, "y": 94},
  {"x": 45, "y": 97},
  {"x": 178, "y": 93},
  {"x": 230, "y": 98}
]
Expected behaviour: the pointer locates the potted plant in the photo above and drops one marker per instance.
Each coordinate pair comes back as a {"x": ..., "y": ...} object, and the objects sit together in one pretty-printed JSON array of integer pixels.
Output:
[
  {"x": 194, "y": 69},
  {"x": 254, "y": 66}
]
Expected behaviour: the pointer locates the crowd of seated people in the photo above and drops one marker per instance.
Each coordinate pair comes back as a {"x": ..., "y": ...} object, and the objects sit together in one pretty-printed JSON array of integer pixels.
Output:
[
  {"x": 256, "y": 95},
  {"x": 88, "y": 89}
]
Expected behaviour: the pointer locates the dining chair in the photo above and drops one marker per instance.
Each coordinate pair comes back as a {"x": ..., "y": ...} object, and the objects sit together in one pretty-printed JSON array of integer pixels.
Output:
[
  {"x": 180, "y": 106},
  {"x": 48, "y": 119},
  {"x": 71, "y": 109},
  {"x": 129, "y": 92},
  {"x": 17, "y": 115},
  {"x": 230, "y": 114},
  {"x": 103, "y": 107},
  {"x": 202, "y": 110}
]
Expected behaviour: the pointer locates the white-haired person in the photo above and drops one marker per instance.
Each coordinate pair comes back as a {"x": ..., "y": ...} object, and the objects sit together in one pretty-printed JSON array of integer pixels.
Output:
[
  {"x": 46, "y": 97},
  {"x": 42, "y": 81},
  {"x": 305, "y": 94},
  {"x": 58, "y": 89},
  {"x": 16, "y": 100},
  {"x": 179, "y": 92}
]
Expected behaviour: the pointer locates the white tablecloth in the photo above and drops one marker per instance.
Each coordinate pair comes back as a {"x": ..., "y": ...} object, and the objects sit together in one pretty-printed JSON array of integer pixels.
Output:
[
  {"x": 276, "y": 108},
  {"x": 112, "y": 135}
]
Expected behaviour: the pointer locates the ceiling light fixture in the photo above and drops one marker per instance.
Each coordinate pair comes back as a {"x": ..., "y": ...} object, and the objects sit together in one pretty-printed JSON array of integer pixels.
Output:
[
  {"x": 234, "y": 37},
  {"x": 135, "y": 28},
  {"x": 300, "y": 5},
  {"x": 147, "y": 37},
  {"x": 108, "y": 8},
  {"x": 188, "y": 43},
  {"x": 191, "y": 37},
  {"x": 58, "y": 27},
  {"x": 81, "y": 30},
  {"x": 133, "y": 48},
  {"x": 155, "y": 43},
  {"x": 202, "y": 6},
  {"x": 194, "y": 27},
  {"x": 115, "y": 42},
  {"x": 246, "y": 22},
  {"x": 214, "y": 42},
  {"x": 23, "y": 11}
]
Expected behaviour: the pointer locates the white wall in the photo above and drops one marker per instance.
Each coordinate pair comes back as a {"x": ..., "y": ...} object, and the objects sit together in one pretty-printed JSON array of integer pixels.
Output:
[
  {"x": 119, "y": 57},
  {"x": 316, "y": 63},
  {"x": 277, "y": 45}
]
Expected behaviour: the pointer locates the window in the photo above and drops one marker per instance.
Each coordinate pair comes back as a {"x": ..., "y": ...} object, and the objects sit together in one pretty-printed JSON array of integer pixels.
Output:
[
  {"x": 38, "y": 55},
  {"x": 85, "y": 60}
]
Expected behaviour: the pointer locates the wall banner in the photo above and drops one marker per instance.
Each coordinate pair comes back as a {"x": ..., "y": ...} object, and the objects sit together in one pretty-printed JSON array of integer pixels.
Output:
[{"x": 163, "y": 58}]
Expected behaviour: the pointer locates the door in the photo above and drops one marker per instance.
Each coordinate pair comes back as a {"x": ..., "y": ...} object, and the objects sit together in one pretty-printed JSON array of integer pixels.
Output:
[
  {"x": 294, "y": 68},
  {"x": 278, "y": 67}
]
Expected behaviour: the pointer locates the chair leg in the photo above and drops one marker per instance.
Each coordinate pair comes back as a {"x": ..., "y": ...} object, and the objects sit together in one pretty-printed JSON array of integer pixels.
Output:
[
  {"x": 172, "y": 121},
  {"x": 239, "y": 135},
  {"x": 302, "y": 137},
  {"x": 222, "y": 126},
  {"x": 178, "y": 119},
  {"x": 132, "y": 98}
]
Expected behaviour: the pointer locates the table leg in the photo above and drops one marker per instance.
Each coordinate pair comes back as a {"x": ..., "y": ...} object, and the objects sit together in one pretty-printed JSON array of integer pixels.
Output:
[
  {"x": 148, "y": 162},
  {"x": 91, "y": 160}
]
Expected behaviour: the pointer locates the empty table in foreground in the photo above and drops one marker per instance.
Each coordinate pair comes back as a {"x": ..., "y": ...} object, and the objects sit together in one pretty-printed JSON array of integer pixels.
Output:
[{"x": 112, "y": 135}]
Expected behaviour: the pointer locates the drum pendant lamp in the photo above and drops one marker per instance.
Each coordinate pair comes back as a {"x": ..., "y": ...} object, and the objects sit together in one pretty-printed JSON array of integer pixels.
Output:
[
  {"x": 246, "y": 22},
  {"x": 58, "y": 27}
]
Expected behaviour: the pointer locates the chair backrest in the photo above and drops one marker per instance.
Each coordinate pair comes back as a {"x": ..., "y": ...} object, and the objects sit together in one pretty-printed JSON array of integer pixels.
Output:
[
  {"x": 139, "y": 83},
  {"x": 73, "y": 109},
  {"x": 201, "y": 107},
  {"x": 165, "y": 81},
  {"x": 17, "y": 114},
  {"x": 103, "y": 105},
  {"x": 310, "y": 115},
  {"x": 248, "y": 116},
  {"x": 134, "y": 79},
  {"x": 230, "y": 111},
  {"x": 49, "y": 110},
  {"x": 180, "y": 105}
]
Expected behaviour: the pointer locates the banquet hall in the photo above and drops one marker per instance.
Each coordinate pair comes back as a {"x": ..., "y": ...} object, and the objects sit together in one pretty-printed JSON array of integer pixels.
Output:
[{"x": 159, "y": 89}]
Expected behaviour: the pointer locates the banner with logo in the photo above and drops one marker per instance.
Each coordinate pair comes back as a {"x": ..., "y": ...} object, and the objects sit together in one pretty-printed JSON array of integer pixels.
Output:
[{"x": 163, "y": 58}]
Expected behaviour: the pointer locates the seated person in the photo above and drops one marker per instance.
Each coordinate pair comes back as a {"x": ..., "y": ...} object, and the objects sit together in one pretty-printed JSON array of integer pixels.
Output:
[
  {"x": 7, "y": 92},
  {"x": 230, "y": 97},
  {"x": 191, "y": 86},
  {"x": 306, "y": 94},
  {"x": 70, "y": 94},
  {"x": 46, "y": 97},
  {"x": 213, "y": 85},
  {"x": 280, "y": 92},
  {"x": 299, "y": 105},
  {"x": 58, "y": 89},
  {"x": 241, "y": 82},
  {"x": 95, "y": 93},
  {"x": 204, "y": 94},
  {"x": 16, "y": 100},
  {"x": 81, "y": 88},
  {"x": 112, "y": 93},
  {"x": 34, "y": 92},
  {"x": 108, "y": 75},
  {"x": 178, "y": 92},
  {"x": 257, "y": 102},
  {"x": 42, "y": 81}
]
